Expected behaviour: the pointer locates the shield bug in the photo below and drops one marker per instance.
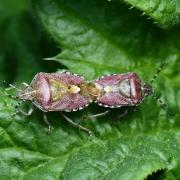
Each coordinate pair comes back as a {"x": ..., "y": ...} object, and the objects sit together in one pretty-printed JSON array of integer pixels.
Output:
[
  {"x": 117, "y": 90},
  {"x": 121, "y": 90},
  {"x": 60, "y": 91},
  {"x": 56, "y": 92}
]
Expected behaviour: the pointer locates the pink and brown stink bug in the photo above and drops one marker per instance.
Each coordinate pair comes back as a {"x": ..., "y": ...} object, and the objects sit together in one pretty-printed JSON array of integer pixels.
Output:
[
  {"x": 119, "y": 90},
  {"x": 65, "y": 91},
  {"x": 60, "y": 91}
]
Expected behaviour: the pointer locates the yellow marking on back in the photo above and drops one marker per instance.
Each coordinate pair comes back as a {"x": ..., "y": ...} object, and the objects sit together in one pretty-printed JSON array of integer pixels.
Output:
[
  {"x": 59, "y": 89},
  {"x": 74, "y": 89},
  {"x": 90, "y": 90},
  {"x": 108, "y": 89}
]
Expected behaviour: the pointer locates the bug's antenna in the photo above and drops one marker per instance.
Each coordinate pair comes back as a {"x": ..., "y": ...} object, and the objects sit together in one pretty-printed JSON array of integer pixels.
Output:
[
  {"x": 160, "y": 101},
  {"x": 14, "y": 87},
  {"x": 164, "y": 105},
  {"x": 19, "y": 101},
  {"x": 158, "y": 71},
  {"x": 8, "y": 89}
]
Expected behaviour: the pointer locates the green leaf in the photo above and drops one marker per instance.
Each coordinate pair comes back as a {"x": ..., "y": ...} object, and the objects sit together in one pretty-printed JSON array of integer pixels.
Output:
[
  {"x": 29, "y": 152},
  {"x": 22, "y": 43},
  {"x": 166, "y": 13},
  {"x": 96, "y": 38},
  {"x": 121, "y": 158},
  {"x": 105, "y": 38},
  {"x": 10, "y": 8}
]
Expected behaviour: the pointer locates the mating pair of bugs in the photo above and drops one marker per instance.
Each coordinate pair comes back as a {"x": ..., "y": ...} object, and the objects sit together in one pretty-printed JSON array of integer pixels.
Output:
[{"x": 65, "y": 91}]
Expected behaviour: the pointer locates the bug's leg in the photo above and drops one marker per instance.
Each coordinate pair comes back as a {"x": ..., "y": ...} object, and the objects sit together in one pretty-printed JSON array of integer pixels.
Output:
[
  {"x": 120, "y": 116},
  {"x": 25, "y": 84},
  {"x": 9, "y": 95},
  {"x": 123, "y": 114},
  {"x": 99, "y": 114},
  {"x": 30, "y": 111},
  {"x": 47, "y": 122},
  {"x": 76, "y": 125},
  {"x": 18, "y": 110},
  {"x": 10, "y": 88},
  {"x": 14, "y": 114}
]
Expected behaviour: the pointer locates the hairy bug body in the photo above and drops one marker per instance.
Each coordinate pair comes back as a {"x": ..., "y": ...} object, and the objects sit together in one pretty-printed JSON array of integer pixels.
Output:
[
  {"x": 65, "y": 91},
  {"x": 56, "y": 92},
  {"x": 121, "y": 90},
  {"x": 60, "y": 91}
]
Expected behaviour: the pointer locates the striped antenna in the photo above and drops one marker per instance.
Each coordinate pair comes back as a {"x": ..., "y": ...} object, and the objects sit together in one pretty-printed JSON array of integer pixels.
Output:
[
  {"x": 164, "y": 106},
  {"x": 158, "y": 71},
  {"x": 154, "y": 96},
  {"x": 8, "y": 89},
  {"x": 160, "y": 101},
  {"x": 14, "y": 87}
]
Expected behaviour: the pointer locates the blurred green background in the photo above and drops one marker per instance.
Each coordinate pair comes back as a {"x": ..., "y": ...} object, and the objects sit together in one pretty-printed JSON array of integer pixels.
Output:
[{"x": 23, "y": 43}]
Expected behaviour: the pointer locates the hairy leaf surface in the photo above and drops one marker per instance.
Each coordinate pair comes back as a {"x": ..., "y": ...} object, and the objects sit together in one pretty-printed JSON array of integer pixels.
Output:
[{"x": 164, "y": 12}]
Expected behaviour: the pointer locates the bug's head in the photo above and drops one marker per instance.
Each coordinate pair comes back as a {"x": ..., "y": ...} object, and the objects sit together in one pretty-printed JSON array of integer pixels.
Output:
[
  {"x": 22, "y": 94},
  {"x": 147, "y": 90},
  {"x": 26, "y": 94}
]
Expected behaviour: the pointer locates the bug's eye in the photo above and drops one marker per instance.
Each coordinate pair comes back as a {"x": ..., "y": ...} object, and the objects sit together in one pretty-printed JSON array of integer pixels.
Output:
[{"x": 148, "y": 90}]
